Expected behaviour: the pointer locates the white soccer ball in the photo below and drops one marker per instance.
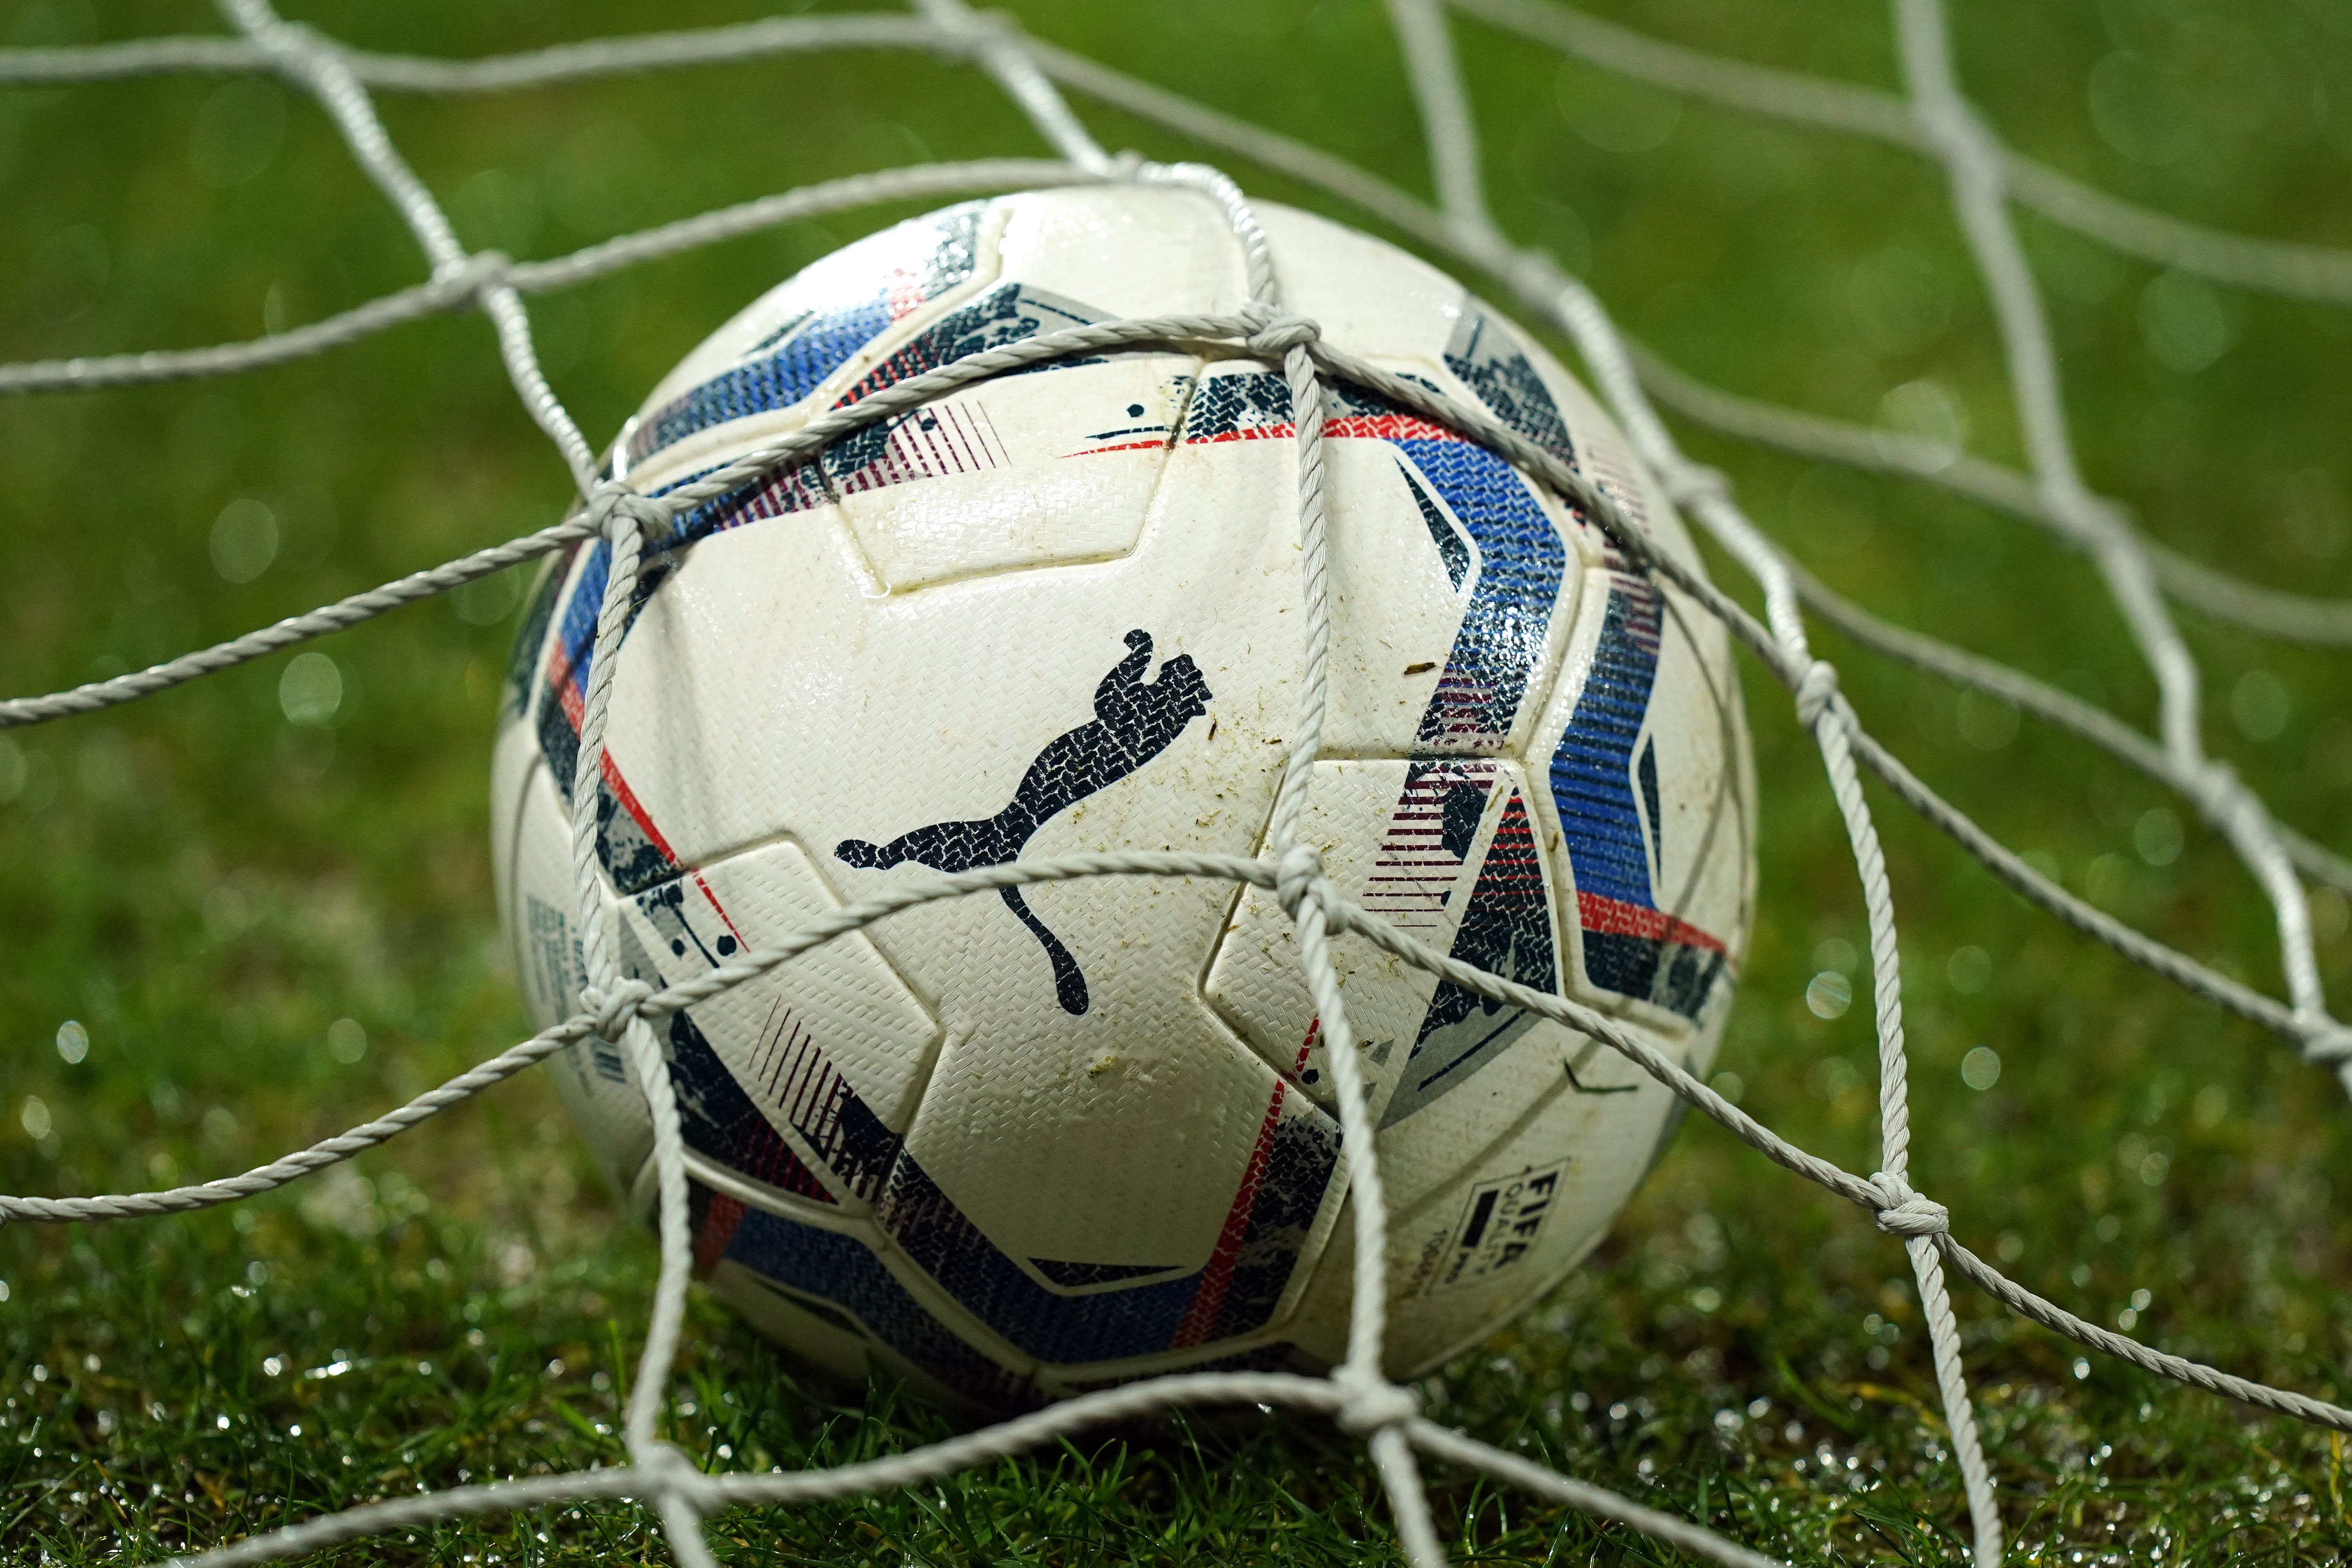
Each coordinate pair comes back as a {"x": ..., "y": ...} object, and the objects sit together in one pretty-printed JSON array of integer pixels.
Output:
[{"x": 1013, "y": 1147}]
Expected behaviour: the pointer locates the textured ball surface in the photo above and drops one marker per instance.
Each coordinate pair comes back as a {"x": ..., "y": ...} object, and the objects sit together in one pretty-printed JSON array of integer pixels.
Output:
[{"x": 1015, "y": 1146}]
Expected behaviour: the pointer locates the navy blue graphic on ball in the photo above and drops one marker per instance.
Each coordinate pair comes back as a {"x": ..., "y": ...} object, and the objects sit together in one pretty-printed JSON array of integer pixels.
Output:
[{"x": 1134, "y": 721}]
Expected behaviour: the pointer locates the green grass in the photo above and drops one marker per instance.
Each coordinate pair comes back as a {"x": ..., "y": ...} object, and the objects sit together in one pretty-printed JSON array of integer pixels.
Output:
[{"x": 206, "y": 887}]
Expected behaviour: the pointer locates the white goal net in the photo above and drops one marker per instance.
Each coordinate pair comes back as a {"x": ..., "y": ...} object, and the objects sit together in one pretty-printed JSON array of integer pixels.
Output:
[{"x": 1932, "y": 118}]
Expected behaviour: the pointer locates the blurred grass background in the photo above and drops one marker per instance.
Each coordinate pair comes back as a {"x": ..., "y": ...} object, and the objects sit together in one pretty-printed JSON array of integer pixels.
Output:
[{"x": 257, "y": 910}]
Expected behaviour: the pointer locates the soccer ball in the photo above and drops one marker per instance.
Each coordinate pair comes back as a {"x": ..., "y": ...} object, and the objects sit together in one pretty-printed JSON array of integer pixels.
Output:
[{"x": 1018, "y": 1145}]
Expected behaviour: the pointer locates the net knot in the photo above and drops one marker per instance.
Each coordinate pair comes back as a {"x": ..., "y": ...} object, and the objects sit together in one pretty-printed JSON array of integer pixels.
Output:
[
  {"x": 2223, "y": 797},
  {"x": 1815, "y": 691},
  {"x": 1274, "y": 330},
  {"x": 1962, "y": 139},
  {"x": 667, "y": 1471},
  {"x": 473, "y": 272},
  {"x": 2326, "y": 1042},
  {"x": 1297, "y": 876},
  {"x": 1370, "y": 1402},
  {"x": 611, "y": 1008},
  {"x": 1689, "y": 484},
  {"x": 612, "y": 499},
  {"x": 1903, "y": 1213}
]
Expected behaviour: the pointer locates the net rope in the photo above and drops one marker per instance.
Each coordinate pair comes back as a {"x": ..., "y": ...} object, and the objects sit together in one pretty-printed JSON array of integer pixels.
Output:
[{"x": 1932, "y": 118}]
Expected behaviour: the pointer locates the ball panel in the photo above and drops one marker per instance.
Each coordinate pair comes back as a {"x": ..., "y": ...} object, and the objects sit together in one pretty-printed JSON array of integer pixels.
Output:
[
  {"x": 1253, "y": 978},
  {"x": 517, "y": 751},
  {"x": 817, "y": 329},
  {"x": 782, "y": 1273},
  {"x": 820, "y": 1331},
  {"x": 1508, "y": 369},
  {"x": 1141, "y": 1133},
  {"x": 1507, "y": 930},
  {"x": 1270, "y": 1210},
  {"x": 1544, "y": 1100},
  {"x": 938, "y": 1266},
  {"x": 525, "y": 657},
  {"x": 1447, "y": 566},
  {"x": 1429, "y": 1153},
  {"x": 1365, "y": 294},
  {"x": 1127, "y": 250},
  {"x": 913, "y": 1275},
  {"x": 803, "y": 1080},
  {"x": 1497, "y": 368},
  {"x": 559, "y": 702},
  {"x": 1706, "y": 835},
  {"x": 1514, "y": 1217},
  {"x": 1259, "y": 1352},
  {"x": 598, "y": 1084},
  {"x": 1443, "y": 848},
  {"x": 514, "y": 755},
  {"x": 852, "y": 1308},
  {"x": 930, "y": 291},
  {"x": 1463, "y": 1090},
  {"x": 1642, "y": 796},
  {"x": 1048, "y": 468}
]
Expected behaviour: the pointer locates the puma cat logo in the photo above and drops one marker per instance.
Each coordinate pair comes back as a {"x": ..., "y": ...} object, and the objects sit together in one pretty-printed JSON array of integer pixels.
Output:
[{"x": 1134, "y": 721}]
